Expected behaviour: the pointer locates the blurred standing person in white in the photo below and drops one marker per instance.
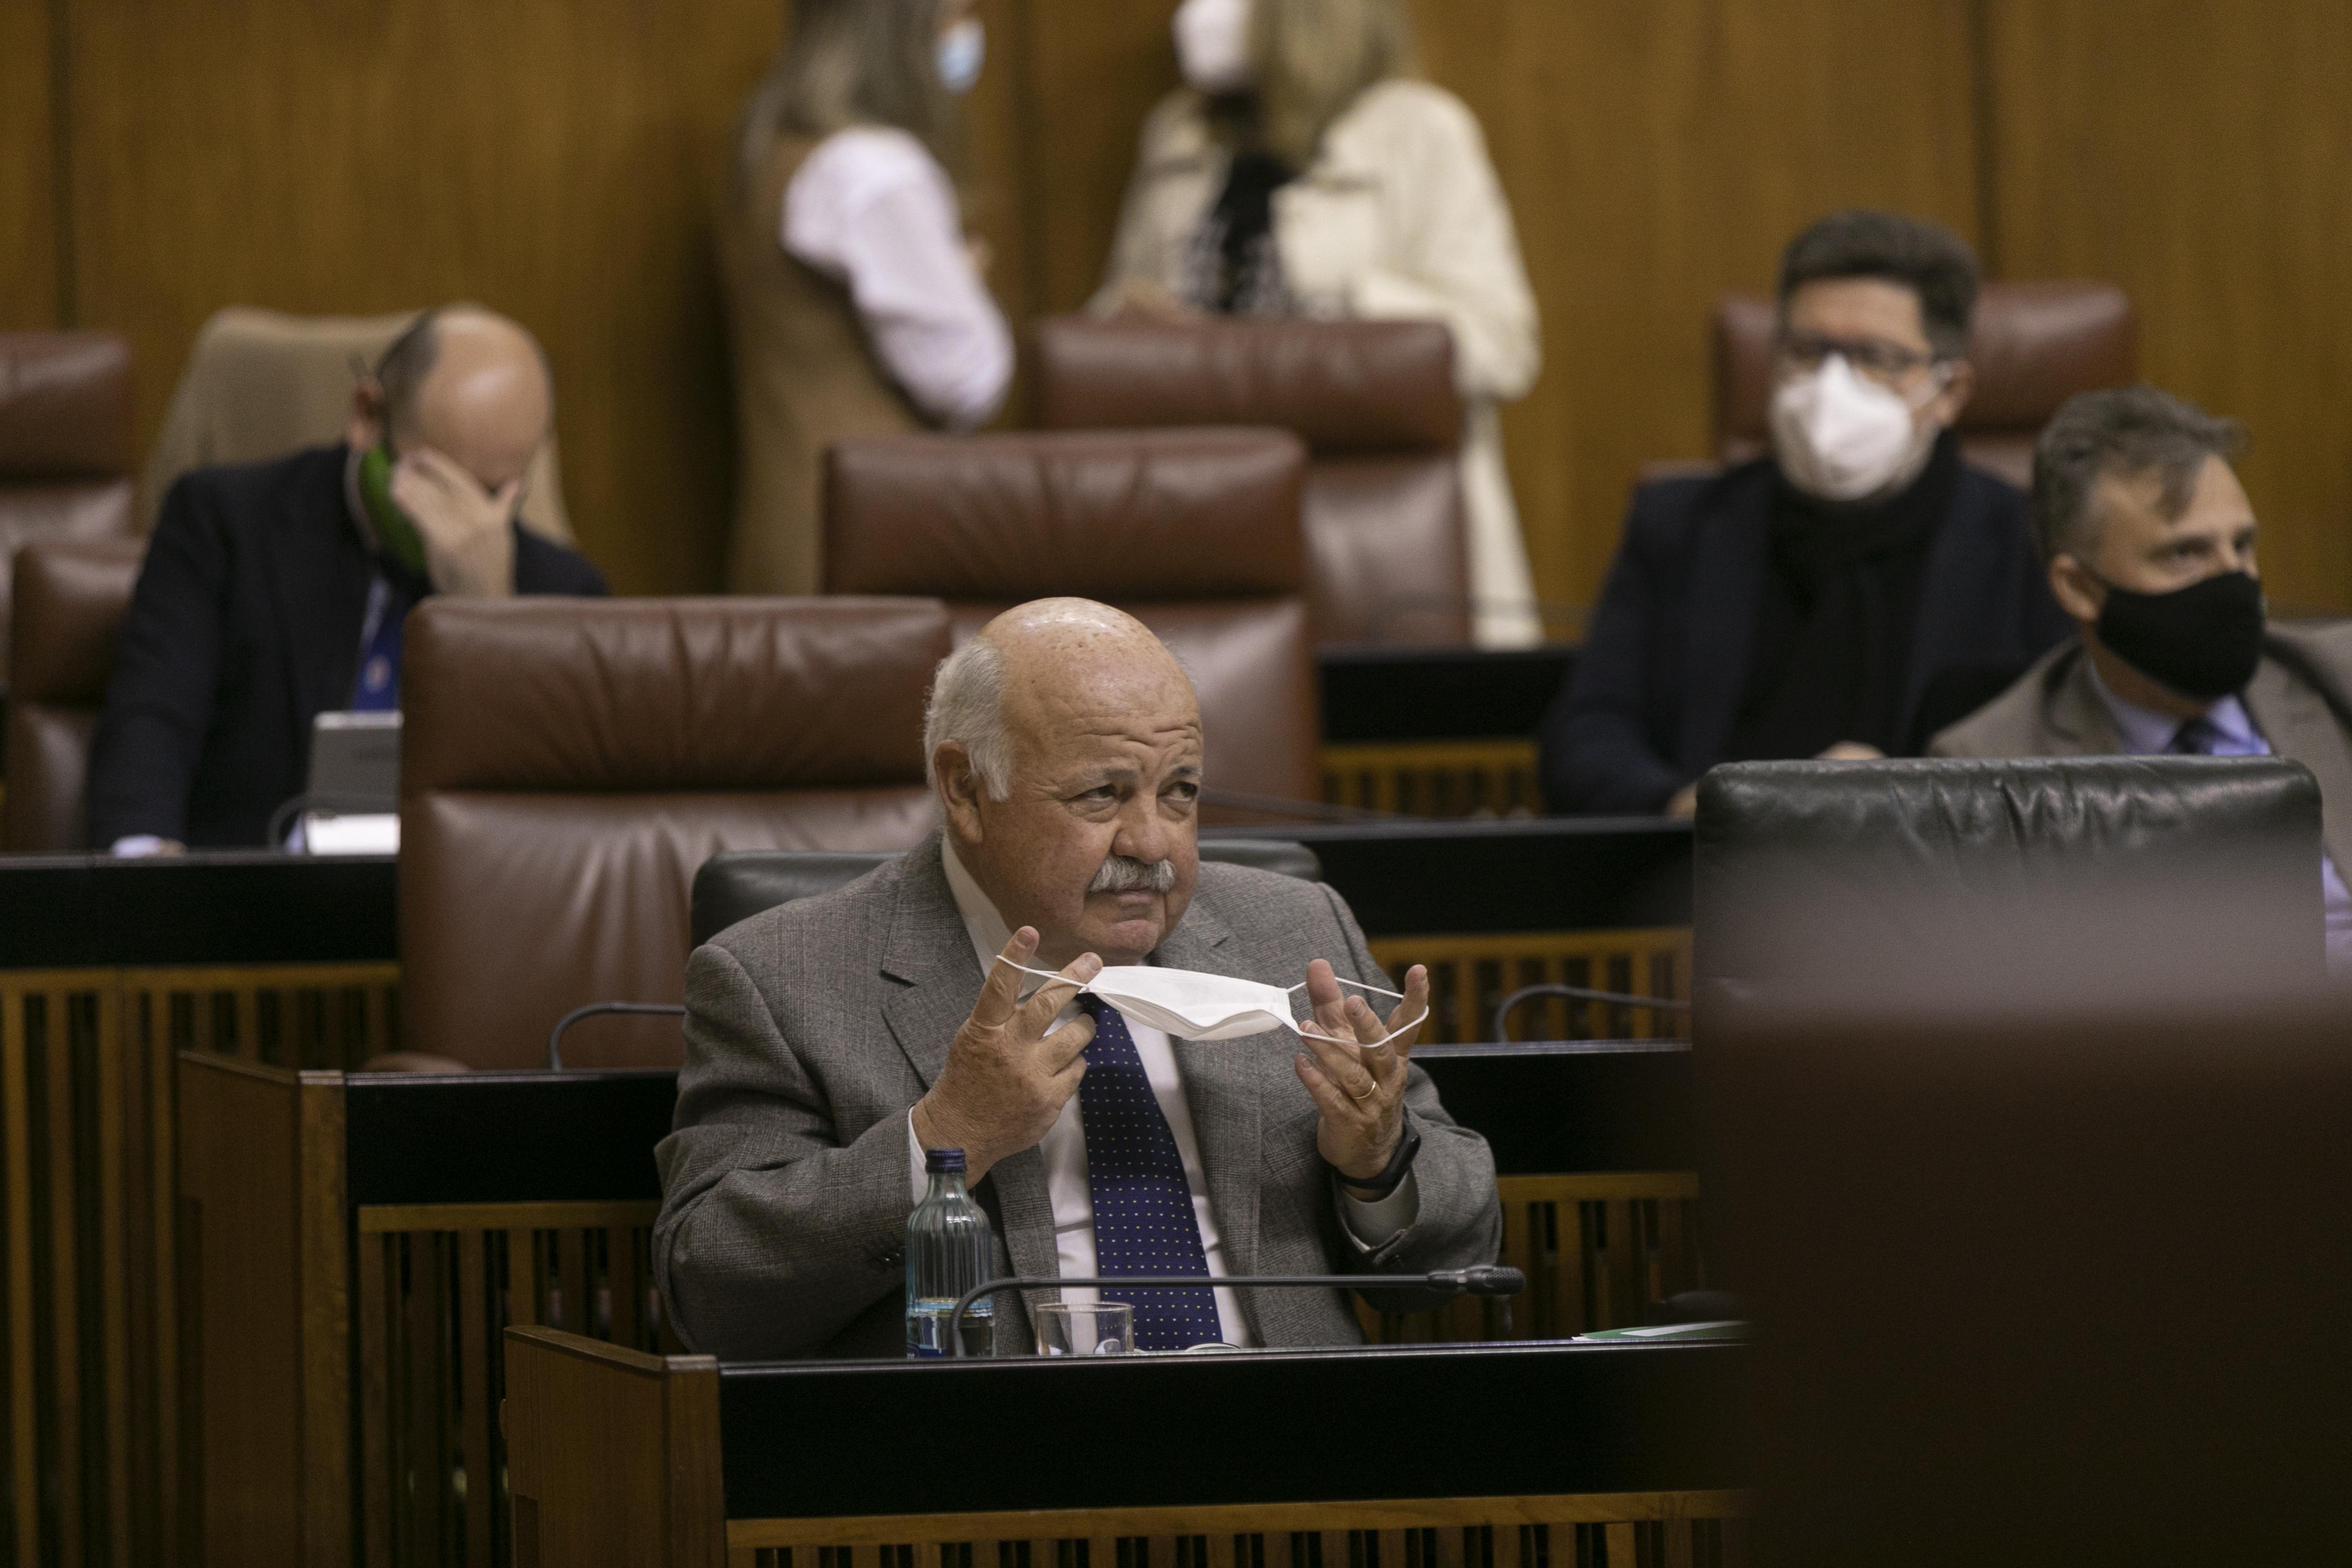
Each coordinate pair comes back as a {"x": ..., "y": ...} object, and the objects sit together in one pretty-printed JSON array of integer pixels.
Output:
[
  {"x": 1303, "y": 171},
  {"x": 856, "y": 300}
]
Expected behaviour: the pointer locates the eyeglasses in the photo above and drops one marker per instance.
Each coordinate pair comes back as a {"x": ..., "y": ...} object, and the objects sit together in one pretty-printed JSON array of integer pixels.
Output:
[{"x": 1881, "y": 361}]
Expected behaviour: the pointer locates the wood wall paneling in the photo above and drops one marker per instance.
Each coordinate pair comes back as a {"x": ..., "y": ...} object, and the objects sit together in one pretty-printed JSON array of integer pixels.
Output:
[
  {"x": 28, "y": 234},
  {"x": 1657, "y": 152},
  {"x": 1094, "y": 71},
  {"x": 2199, "y": 153},
  {"x": 556, "y": 161}
]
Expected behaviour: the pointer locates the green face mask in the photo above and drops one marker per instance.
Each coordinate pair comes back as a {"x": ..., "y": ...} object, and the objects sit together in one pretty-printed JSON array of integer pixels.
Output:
[{"x": 393, "y": 530}]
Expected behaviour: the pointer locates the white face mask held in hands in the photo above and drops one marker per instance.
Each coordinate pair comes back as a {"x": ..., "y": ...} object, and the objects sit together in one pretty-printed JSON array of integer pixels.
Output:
[
  {"x": 1191, "y": 1006},
  {"x": 1843, "y": 437},
  {"x": 1212, "y": 46},
  {"x": 959, "y": 53}
]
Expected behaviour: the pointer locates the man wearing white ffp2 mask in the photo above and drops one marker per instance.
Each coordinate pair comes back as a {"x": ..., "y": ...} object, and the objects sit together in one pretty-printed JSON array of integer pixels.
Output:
[
  {"x": 1107, "y": 1028},
  {"x": 1843, "y": 597},
  {"x": 1843, "y": 437},
  {"x": 1212, "y": 46}
]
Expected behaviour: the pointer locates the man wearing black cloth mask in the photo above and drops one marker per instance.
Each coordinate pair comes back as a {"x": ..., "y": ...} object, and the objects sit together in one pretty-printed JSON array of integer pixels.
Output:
[
  {"x": 1819, "y": 601},
  {"x": 2150, "y": 541}
]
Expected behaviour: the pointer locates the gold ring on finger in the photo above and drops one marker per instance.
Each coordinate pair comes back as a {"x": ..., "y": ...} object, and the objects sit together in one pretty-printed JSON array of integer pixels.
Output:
[{"x": 1368, "y": 1093}]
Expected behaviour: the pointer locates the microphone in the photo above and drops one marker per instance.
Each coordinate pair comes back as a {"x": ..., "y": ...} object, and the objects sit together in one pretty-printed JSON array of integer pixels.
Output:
[
  {"x": 1485, "y": 1279},
  {"x": 1508, "y": 1004}
]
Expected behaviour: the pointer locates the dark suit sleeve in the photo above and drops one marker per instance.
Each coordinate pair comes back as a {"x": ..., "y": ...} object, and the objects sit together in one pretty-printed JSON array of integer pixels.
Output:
[
  {"x": 543, "y": 566},
  {"x": 159, "y": 702},
  {"x": 1459, "y": 1224},
  {"x": 1597, "y": 756}
]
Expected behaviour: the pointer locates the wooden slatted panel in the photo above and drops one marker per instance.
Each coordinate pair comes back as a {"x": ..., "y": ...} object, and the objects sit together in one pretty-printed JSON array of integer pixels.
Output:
[
  {"x": 289, "y": 1016},
  {"x": 1435, "y": 778},
  {"x": 1596, "y": 1249},
  {"x": 430, "y": 1335},
  {"x": 1469, "y": 977},
  {"x": 1635, "y": 1530}
]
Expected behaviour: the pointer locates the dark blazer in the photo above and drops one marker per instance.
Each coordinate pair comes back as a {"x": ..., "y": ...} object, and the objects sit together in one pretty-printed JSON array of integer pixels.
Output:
[
  {"x": 245, "y": 626},
  {"x": 1665, "y": 658}
]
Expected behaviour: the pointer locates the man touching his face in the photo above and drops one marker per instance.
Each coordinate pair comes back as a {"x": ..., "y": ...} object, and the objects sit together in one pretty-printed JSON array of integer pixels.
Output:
[
  {"x": 830, "y": 1041},
  {"x": 278, "y": 590}
]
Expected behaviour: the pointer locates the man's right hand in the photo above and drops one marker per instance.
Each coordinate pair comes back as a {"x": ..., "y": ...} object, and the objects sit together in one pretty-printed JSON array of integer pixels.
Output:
[{"x": 1007, "y": 1078}]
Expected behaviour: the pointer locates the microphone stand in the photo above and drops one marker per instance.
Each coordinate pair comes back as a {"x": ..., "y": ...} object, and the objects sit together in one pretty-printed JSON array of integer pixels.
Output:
[{"x": 1486, "y": 1280}]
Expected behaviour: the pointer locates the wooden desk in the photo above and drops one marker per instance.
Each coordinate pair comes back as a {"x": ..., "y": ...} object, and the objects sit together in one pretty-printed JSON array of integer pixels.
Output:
[
  {"x": 353, "y": 1245},
  {"x": 1437, "y": 732},
  {"x": 1480, "y": 1456},
  {"x": 108, "y": 970}
]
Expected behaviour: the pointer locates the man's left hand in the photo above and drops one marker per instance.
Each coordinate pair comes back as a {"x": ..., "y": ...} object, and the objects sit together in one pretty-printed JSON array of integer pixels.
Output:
[
  {"x": 1354, "y": 1066},
  {"x": 467, "y": 530}
]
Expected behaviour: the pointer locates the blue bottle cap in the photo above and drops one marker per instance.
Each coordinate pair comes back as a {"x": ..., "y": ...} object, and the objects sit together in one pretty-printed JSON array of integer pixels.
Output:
[{"x": 938, "y": 1160}]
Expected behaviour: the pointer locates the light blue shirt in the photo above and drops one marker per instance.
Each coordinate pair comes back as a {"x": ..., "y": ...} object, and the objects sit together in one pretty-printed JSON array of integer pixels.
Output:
[{"x": 2147, "y": 734}]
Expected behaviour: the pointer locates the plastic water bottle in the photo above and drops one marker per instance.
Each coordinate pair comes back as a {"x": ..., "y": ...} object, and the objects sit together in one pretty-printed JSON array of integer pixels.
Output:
[{"x": 949, "y": 1249}]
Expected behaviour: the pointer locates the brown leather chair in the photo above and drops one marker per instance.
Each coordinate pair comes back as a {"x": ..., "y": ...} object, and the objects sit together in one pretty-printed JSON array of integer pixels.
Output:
[
  {"x": 72, "y": 596},
  {"x": 65, "y": 443},
  {"x": 2034, "y": 345},
  {"x": 567, "y": 766},
  {"x": 1195, "y": 532},
  {"x": 1374, "y": 401}
]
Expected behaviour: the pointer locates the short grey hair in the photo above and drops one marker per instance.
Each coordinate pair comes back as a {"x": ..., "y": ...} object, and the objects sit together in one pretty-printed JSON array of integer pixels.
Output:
[
  {"x": 967, "y": 706},
  {"x": 2129, "y": 432}
]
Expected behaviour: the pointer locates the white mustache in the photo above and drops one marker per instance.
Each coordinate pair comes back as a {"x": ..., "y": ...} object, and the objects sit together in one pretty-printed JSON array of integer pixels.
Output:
[{"x": 1125, "y": 873}]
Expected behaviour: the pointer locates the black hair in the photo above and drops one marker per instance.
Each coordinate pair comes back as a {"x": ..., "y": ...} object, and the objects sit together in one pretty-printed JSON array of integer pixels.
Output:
[
  {"x": 1926, "y": 258},
  {"x": 401, "y": 370}
]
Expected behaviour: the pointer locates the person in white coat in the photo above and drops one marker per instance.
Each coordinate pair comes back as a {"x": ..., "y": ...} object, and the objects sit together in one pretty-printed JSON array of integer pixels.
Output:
[{"x": 1303, "y": 171}]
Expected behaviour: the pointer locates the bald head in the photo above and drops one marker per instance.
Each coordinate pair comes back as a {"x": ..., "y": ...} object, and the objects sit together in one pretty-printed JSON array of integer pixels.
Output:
[
  {"x": 465, "y": 382},
  {"x": 1066, "y": 735}
]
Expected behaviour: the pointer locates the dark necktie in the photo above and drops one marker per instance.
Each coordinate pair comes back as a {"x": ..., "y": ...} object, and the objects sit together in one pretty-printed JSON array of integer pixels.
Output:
[
  {"x": 1143, "y": 1205},
  {"x": 2196, "y": 738}
]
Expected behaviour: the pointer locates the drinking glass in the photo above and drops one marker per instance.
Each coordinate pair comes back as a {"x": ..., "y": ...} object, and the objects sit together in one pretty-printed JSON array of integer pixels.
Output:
[{"x": 1085, "y": 1328}]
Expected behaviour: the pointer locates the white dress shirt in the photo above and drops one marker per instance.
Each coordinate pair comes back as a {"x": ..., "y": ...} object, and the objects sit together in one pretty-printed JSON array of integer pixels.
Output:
[
  {"x": 871, "y": 208},
  {"x": 1064, "y": 1146}
]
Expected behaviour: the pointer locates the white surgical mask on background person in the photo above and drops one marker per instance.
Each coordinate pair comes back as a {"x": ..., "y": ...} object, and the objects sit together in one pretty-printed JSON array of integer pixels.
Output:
[
  {"x": 1842, "y": 436},
  {"x": 958, "y": 54},
  {"x": 1213, "y": 45}
]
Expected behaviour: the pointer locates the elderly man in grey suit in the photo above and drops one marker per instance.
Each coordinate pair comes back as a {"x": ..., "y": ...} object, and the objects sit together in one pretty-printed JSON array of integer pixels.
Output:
[
  {"x": 831, "y": 1042},
  {"x": 2150, "y": 543}
]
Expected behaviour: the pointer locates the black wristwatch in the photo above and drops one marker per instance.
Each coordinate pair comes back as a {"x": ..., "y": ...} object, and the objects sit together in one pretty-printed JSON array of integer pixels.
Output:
[{"x": 1392, "y": 1174}]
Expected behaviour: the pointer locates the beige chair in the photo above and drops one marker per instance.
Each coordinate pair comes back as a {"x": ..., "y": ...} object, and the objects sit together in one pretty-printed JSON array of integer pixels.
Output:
[{"x": 262, "y": 383}]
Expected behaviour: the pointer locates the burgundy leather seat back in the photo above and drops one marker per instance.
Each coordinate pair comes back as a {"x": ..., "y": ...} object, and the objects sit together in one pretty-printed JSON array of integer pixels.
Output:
[
  {"x": 2034, "y": 345},
  {"x": 72, "y": 596},
  {"x": 1195, "y": 532},
  {"x": 566, "y": 765},
  {"x": 1375, "y": 403},
  {"x": 65, "y": 443}
]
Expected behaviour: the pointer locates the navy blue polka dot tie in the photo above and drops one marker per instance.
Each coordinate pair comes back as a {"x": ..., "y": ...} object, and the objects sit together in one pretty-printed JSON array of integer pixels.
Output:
[{"x": 1143, "y": 1205}]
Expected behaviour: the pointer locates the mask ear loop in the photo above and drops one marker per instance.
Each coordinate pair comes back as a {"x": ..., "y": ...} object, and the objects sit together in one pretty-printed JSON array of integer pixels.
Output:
[
  {"x": 1040, "y": 973},
  {"x": 1413, "y": 1023}
]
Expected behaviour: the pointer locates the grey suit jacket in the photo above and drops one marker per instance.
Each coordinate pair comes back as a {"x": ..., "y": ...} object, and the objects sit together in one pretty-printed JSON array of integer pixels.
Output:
[
  {"x": 812, "y": 1029},
  {"x": 2300, "y": 699}
]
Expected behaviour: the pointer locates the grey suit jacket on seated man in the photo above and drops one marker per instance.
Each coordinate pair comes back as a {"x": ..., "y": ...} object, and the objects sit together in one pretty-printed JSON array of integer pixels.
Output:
[
  {"x": 813, "y": 1027},
  {"x": 833, "y": 1040}
]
